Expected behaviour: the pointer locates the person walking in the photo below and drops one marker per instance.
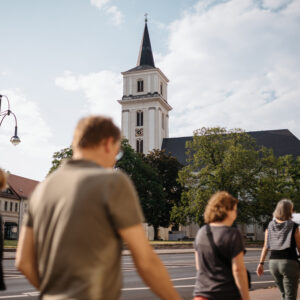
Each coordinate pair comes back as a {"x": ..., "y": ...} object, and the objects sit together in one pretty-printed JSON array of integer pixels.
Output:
[
  {"x": 2, "y": 186},
  {"x": 71, "y": 243},
  {"x": 219, "y": 253},
  {"x": 282, "y": 237}
]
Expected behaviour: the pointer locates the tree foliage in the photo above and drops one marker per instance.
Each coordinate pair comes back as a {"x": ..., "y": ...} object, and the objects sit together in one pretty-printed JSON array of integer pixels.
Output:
[
  {"x": 280, "y": 181},
  {"x": 152, "y": 184},
  {"x": 230, "y": 160},
  {"x": 167, "y": 168},
  {"x": 59, "y": 156}
]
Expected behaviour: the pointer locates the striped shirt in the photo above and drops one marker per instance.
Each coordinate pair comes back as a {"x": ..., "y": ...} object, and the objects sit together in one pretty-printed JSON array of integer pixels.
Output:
[{"x": 280, "y": 235}]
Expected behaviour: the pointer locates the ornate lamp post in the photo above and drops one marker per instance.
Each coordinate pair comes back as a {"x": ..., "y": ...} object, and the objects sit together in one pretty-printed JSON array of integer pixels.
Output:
[{"x": 15, "y": 140}]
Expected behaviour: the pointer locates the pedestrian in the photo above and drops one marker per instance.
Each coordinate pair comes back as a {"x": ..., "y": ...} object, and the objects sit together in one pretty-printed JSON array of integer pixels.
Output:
[
  {"x": 71, "y": 242},
  {"x": 2, "y": 186},
  {"x": 282, "y": 237},
  {"x": 219, "y": 253}
]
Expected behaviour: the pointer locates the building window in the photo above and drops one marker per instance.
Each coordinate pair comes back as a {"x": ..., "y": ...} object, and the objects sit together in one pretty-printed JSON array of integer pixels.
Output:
[
  {"x": 139, "y": 118},
  {"x": 16, "y": 207},
  {"x": 163, "y": 121},
  {"x": 5, "y": 205},
  {"x": 161, "y": 88},
  {"x": 11, "y": 206},
  {"x": 140, "y": 85},
  {"x": 139, "y": 146}
]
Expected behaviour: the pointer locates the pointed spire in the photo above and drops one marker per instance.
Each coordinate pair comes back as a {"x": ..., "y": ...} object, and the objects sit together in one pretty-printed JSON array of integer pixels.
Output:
[{"x": 145, "y": 54}]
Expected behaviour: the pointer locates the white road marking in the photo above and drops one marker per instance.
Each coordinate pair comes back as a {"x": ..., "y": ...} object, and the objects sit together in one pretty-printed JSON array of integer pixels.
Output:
[
  {"x": 186, "y": 278},
  {"x": 23, "y": 295}
]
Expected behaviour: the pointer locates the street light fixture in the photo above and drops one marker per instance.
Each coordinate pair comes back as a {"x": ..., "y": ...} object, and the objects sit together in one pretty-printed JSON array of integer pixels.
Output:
[{"x": 15, "y": 140}]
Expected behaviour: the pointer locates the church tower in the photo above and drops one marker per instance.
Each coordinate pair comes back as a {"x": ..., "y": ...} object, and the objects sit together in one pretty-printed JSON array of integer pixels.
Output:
[{"x": 145, "y": 108}]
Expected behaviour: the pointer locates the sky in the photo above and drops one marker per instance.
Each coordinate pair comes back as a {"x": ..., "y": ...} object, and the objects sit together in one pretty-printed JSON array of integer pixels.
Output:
[{"x": 231, "y": 63}]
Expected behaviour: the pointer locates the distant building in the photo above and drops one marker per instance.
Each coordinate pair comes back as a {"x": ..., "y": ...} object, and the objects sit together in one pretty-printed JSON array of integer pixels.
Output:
[{"x": 14, "y": 202}]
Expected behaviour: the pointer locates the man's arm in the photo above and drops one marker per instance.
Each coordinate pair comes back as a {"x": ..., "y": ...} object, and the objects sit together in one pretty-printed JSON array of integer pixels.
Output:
[
  {"x": 240, "y": 275},
  {"x": 196, "y": 261},
  {"x": 26, "y": 258},
  {"x": 148, "y": 264}
]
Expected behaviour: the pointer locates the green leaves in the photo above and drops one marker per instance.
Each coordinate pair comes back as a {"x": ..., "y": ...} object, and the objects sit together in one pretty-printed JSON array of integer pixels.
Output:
[
  {"x": 59, "y": 156},
  {"x": 154, "y": 177},
  {"x": 230, "y": 160}
]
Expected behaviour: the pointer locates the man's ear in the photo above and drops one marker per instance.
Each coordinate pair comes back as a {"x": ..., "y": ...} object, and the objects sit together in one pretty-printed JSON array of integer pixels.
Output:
[{"x": 108, "y": 143}]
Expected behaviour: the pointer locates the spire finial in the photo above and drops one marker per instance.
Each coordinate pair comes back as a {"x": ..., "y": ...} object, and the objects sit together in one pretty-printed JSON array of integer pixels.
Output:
[{"x": 146, "y": 19}]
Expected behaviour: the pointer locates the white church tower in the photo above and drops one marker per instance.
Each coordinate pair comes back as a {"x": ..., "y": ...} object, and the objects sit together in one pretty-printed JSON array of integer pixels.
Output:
[{"x": 145, "y": 108}]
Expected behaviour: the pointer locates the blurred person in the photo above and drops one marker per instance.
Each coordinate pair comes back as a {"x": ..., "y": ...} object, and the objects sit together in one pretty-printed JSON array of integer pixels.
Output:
[
  {"x": 219, "y": 255},
  {"x": 2, "y": 187},
  {"x": 71, "y": 241},
  {"x": 282, "y": 237}
]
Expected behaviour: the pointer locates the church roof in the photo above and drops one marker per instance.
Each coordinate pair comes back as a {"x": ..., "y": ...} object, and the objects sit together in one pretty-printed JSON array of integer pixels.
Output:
[
  {"x": 145, "y": 55},
  {"x": 145, "y": 59},
  {"x": 282, "y": 141}
]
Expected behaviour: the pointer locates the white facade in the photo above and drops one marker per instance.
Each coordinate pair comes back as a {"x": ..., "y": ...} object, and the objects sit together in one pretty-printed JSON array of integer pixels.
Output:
[{"x": 145, "y": 91}]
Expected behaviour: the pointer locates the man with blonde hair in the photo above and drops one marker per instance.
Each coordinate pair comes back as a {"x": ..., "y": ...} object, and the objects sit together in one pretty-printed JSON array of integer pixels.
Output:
[{"x": 71, "y": 242}]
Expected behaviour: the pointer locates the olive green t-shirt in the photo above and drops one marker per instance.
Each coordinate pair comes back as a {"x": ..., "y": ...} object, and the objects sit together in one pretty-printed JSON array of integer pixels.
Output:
[{"x": 76, "y": 214}]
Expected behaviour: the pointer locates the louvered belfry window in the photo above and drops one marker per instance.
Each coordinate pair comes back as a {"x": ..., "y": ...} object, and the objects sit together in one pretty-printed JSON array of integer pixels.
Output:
[{"x": 140, "y": 85}]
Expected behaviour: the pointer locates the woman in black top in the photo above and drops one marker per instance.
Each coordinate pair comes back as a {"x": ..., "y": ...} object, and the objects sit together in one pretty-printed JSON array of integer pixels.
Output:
[
  {"x": 221, "y": 272},
  {"x": 282, "y": 238}
]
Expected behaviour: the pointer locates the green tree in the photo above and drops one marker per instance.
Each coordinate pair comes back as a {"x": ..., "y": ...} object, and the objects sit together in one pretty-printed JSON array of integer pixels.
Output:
[
  {"x": 167, "y": 168},
  {"x": 280, "y": 180},
  {"x": 148, "y": 186},
  {"x": 220, "y": 159},
  {"x": 59, "y": 156}
]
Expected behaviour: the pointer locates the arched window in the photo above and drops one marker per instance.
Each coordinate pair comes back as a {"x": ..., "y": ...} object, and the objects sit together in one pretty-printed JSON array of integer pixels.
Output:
[
  {"x": 139, "y": 118},
  {"x": 161, "y": 88},
  {"x": 139, "y": 146},
  {"x": 140, "y": 85}
]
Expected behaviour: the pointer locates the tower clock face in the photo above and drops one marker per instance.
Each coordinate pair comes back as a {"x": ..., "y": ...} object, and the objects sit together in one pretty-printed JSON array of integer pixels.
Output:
[{"x": 139, "y": 132}]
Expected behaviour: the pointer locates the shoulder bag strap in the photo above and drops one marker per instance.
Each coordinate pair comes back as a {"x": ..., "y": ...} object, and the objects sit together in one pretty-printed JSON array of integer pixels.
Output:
[{"x": 215, "y": 248}]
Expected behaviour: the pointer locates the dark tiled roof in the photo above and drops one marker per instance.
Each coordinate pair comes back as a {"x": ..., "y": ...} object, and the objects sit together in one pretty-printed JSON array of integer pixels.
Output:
[
  {"x": 21, "y": 185},
  {"x": 282, "y": 142}
]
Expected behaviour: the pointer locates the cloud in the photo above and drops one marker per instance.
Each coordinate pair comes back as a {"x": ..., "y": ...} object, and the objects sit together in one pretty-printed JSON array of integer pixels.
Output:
[
  {"x": 99, "y": 3},
  {"x": 275, "y": 4},
  {"x": 32, "y": 157},
  {"x": 235, "y": 64},
  {"x": 115, "y": 14},
  {"x": 110, "y": 10},
  {"x": 101, "y": 89}
]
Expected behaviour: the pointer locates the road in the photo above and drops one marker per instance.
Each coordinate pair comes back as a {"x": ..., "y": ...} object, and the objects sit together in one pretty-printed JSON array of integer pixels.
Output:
[{"x": 180, "y": 266}]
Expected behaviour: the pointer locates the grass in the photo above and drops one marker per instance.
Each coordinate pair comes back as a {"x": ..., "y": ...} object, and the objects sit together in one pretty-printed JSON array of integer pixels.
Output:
[{"x": 10, "y": 243}]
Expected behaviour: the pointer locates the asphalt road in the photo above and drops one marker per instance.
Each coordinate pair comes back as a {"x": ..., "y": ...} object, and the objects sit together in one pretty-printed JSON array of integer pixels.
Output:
[{"x": 180, "y": 266}]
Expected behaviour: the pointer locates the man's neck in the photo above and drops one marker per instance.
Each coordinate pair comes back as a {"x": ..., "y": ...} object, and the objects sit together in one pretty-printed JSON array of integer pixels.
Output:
[{"x": 90, "y": 155}]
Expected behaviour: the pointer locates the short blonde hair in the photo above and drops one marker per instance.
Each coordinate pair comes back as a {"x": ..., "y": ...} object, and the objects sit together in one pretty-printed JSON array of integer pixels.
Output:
[
  {"x": 91, "y": 131},
  {"x": 3, "y": 178},
  {"x": 283, "y": 210},
  {"x": 218, "y": 206}
]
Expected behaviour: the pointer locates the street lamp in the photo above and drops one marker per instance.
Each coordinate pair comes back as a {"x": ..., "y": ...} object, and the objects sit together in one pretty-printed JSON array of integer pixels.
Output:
[{"x": 15, "y": 140}]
